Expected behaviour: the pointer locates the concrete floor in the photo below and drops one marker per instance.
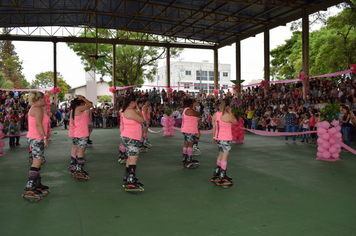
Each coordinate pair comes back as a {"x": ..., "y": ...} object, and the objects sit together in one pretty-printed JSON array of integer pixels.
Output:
[{"x": 280, "y": 189}]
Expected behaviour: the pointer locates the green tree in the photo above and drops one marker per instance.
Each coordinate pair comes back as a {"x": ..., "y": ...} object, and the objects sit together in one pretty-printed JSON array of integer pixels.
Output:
[
  {"x": 134, "y": 64},
  {"x": 45, "y": 79},
  {"x": 11, "y": 65},
  {"x": 5, "y": 84},
  {"x": 104, "y": 97},
  {"x": 331, "y": 48}
]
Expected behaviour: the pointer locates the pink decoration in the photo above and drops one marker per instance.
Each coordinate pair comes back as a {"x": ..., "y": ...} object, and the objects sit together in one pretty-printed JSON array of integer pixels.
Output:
[
  {"x": 353, "y": 68},
  {"x": 235, "y": 88},
  {"x": 216, "y": 92},
  {"x": 333, "y": 74},
  {"x": 302, "y": 76},
  {"x": 168, "y": 125},
  {"x": 237, "y": 131},
  {"x": 328, "y": 149},
  {"x": 263, "y": 84},
  {"x": 55, "y": 90},
  {"x": 112, "y": 89},
  {"x": 170, "y": 90}
]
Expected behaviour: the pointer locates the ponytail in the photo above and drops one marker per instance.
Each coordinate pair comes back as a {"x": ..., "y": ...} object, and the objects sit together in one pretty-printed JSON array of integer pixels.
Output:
[
  {"x": 128, "y": 100},
  {"x": 224, "y": 103},
  {"x": 73, "y": 105},
  {"x": 35, "y": 96}
]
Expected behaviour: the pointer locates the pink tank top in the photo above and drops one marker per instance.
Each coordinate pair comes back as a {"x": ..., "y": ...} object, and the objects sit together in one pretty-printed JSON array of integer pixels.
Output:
[
  {"x": 148, "y": 112},
  {"x": 88, "y": 120},
  {"x": 32, "y": 129},
  {"x": 81, "y": 125},
  {"x": 132, "y": 129},
  {"x": 222, "y": 129},
  {"x": 71, "y": 127},
  {"x": 121, "y": 121},
  {"x": 189, "y": 123}
]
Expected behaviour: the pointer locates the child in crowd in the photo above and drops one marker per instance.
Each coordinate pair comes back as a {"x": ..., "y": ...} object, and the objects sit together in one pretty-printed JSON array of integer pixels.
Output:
[
  {"x": 264, "y": 123},
  {"x": 12, "y": 132},
  {"x": 254, "y": 122},
  {"x": 17, "y": 132},
  {"x": 305, "y": 126}
]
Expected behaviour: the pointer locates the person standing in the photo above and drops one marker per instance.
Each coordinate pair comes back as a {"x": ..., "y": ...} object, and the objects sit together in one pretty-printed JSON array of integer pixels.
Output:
[
  {"x": 37, "y": 140},
  {"x": 290, "y": 123},
  {"x": 146, "y": 124},
  {"x": 222, "y": 121}
]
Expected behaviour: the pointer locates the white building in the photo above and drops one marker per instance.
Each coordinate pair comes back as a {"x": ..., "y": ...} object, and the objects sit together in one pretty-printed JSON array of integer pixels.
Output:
[
  {"x": 199, "y": 74},
  {"x": 93, "y": 89}
]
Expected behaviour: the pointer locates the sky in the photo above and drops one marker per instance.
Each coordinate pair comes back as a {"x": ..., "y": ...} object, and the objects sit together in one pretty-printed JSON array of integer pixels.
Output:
[{"x": 37, "y": 57}]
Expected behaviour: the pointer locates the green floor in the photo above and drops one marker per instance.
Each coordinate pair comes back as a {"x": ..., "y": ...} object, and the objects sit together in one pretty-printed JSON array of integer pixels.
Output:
[{"x": 280, "y": 189}]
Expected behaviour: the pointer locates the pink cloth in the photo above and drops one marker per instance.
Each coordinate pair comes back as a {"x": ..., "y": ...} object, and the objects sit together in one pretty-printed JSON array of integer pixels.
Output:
[
  {"x": 189, "y": 123},
  {"x": 32, "y": 129},
  {"x": 222, "y": 129},
  {"x": 81, "y": 125},
  {"x": 132, "y": 128}
]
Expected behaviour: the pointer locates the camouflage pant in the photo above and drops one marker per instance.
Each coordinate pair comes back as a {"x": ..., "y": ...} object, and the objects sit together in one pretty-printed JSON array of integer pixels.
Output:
[
  {"x": 80, "y": 142},
  {"x": 224, "y": 146},
  {"x": 37, "y": 146},
  {"x": 132, "y": 146},
  {"x": 189, "y": 137}
]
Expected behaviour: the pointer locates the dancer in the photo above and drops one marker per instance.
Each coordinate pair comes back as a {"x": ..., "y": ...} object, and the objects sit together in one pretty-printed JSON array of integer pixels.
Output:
[
  {"x": 146, "y": 124},
  {"x": 132, "y": 120},
  {"x": 37, "y": 139},
  {"x": 222, "y": 121},
  {"x": 81, "y": 133},
  {"x": 73, "y": 153},
  {"x": 189, "y": 131},
  {"x": 122, "y": 149}
]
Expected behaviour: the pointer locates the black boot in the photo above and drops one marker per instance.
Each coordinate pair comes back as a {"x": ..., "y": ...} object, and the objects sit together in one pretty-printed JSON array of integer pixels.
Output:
[
  {"x": 30, "y": 186},
  {"x": 39, "y": 185},
  {"x": 217, "y": 171},
  {"x": 184, "y": 159},
  {"x": 126, "y": 175},
  {"x": 224, "y": 176}
]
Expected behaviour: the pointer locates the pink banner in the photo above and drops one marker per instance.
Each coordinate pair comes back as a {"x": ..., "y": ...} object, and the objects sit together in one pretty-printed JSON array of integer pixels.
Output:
[
  {"x": 155, "y": 132},
  {"x": 22, "y": 90},
  {"x": 332, "y": 74},
  {"x": 267, "y": 133},
  {"x": 344, "y": 145}
]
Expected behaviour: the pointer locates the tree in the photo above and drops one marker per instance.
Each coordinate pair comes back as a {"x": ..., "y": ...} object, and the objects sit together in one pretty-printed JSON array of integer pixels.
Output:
[
  {"x": 134, "y": 64},
  {"x": 331, "y": 48},
  {"x": 104, "y": 97},
  {"x": 5, "y": 84},
  {"x": 45, "y": 79},
  {"x": 11, "y": 65}
]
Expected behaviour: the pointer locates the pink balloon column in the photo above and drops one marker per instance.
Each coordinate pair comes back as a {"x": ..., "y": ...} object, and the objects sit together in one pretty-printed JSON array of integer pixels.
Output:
[
  {"x": 238, "y": 134},
  {"x": 2, "y": 143},
  {"x": 328, "y": 149},
  {"x": 168, "y": 125}
]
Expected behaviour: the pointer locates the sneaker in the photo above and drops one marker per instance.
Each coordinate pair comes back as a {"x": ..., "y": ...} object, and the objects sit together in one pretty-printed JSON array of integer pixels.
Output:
[
  {"x": 302, "y": 141},
  {"x": 17, "y": 144}
]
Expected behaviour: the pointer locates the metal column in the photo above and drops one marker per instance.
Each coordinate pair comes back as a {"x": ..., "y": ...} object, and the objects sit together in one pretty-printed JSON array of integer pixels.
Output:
[
  {"x": 168, "y": 72},
  {"x": 114, "y": 72},
  {"x": 266, "y": 55},
  {"x": 305, "y": 37},
  {"x": 216, "y": 68},
  {"x": 238, "y": 65},
  {"x": 55, "y": 70}
]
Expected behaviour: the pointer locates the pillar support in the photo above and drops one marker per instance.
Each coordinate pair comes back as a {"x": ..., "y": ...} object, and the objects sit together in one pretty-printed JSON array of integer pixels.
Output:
[
  {"x": 266, "y": 55},
  {"x": 216, "y": 68},
  {"x": 168, "y": 72},
  {"x": 114, "y": 73},
  {"x": 55, "y": 70},
  {"x": 305, "y": 45},
  {"x": 238, "y": 66}
]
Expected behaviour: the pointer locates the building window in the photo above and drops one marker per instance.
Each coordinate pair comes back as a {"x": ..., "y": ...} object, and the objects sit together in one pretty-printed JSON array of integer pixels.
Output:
[
  {"x": 188, "y": 72},
  {"x": 186, "y": 86},
  {"x": 225, "y": 86},
  {"x": 211, "y": 76},
  {"x": 157, "y": 77},
  {"x": 225, "y": 74},
  {"x": 202, "y": 76}
]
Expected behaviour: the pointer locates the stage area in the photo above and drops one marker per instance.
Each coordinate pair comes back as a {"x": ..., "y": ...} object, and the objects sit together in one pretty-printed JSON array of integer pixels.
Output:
[{"x": 280, "y": 189}]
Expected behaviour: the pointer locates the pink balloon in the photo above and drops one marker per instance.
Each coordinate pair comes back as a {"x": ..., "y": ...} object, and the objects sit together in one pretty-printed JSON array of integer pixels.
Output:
[
  {"x": 338, "y": 135},
  {"x": 320, "y": 140},
  {"x": 332, "y": 131},
  {"x": 338, "y": 128},
  {"x": 325, "y": 124},
  {"x": 333, "y": 150},
  {"x": 326, "y": 145},
  {"x": 326, "y": 155},
  {"x": 326, "y": 136},
  {"x": 322, "y": 131},
  {"x": 1, "y": 126},
  {"x": 321, "y": 149},
  {"x": 332, "y": 141},
  {"x": 319, "y": 154},
  {"x": 2, "y": 135},
  {"x": 335, "y": 155},
  {"x": 335, "y": 123}
]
